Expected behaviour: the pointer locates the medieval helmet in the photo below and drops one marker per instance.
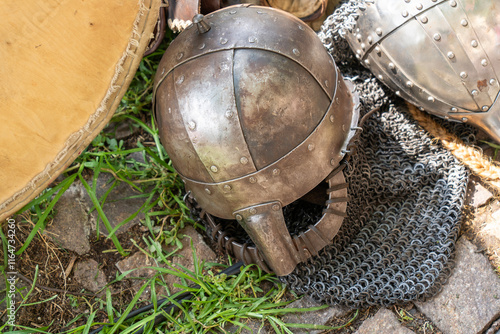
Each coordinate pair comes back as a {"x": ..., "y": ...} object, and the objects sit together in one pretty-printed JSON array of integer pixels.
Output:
[
  {"x": 254, "y": 113},
  {"x": 441, "y": 55}
]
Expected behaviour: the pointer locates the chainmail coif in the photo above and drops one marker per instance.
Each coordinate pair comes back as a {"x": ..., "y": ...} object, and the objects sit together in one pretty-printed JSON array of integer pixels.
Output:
[{"x": 406, "y": 195}]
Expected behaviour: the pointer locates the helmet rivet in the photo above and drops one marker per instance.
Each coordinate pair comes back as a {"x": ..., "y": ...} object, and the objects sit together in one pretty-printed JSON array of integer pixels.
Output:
[
  {"x": 310, "y": 147},
  {"x": 191, "y": 125},
  {"x": 275, "y": 207},
  {"x": 437, "y": 37},
  {"x": 358, "y": 56},
  {"x": 492, "y": 81},
  {"x": 252, "y": 179},
  {"x": 420, "y": 6},
  {"x": 223, "y": 41},
  {"x": 202, "y": 46},
  {"x": 332, "y": 118},
  {"x": 332, "y": 162},
  {"x": 208, "y": 191},
  {"x": 392, "y": 66},
  {"x": 180, "y": 55},
  {"x": 463, "y": 75},
  {"x": 326, "y": 83},
  {"x": 243, "y": 160},
  {"x": 377, "y": 50},
  {"x": 370, "y": 39},
  {"x": 407, "y": 1},
  {"x": 404, "y": 13},
  {"x": 239, "y": 217},
  {"x": 409, "y": 84},
  {"x": 358, "y": 36},
  {"x": 430, "y": 99},
  {"x": 163, "y": 70},
  {"x": 301, "y": 27},
  {"x": 464, "y": 119},
  {"x": 201, "y": 24},
  {"x": 484, "y": 62},
  {"x": 252, "y": 39},
  {"x": 363, "y": 46},
  {"x": 453, "y": 3},
  {"x": 380, "y": 77},
  {"x": 180, "y": 80},
  {"x": 367, "y": 62},
  {"x": 253, "y": 211},
  {"x": 421, "y": 108},
  {"x": 424, "y": 19},
  {"x": 453, "y": 109},
  {"x": 229, "y": 113},
  {"x": 485, "y": 108},
  {"x": 451, "y": 55},
  {"x": 232, "y": 12},
  {"x": 296, "y": 52},
  {"x": 214, "y": 169},
  {"x": 464, "y": 22},
  {"x": 474, "y": 92},
  {"x": 398, "y": 93},
  {"x": 276, "y": 171},
  {"x": 227, "y": 187},
  {"x": 474, "y": 43},
  {"x": 378, "y": 31}
]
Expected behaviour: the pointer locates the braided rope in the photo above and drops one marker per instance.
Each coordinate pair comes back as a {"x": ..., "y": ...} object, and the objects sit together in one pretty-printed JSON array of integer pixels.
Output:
[{"x": 470, "y": 156}]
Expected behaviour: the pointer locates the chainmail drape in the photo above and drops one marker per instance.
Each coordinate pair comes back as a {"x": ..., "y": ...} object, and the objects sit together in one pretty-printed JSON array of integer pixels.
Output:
[{"x": 406, "y": 195}]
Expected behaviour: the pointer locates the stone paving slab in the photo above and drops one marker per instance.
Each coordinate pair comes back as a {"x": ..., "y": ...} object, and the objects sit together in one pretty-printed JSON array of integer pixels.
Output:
[
  {"x": 470, "y": 301},
  {"x": 383, "y": 322},
  {"x": 320, "y": 317},
  {"x": 88, "y": 274}
]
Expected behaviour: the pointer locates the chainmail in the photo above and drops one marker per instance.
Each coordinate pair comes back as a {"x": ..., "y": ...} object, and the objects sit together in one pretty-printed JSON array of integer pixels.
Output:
[{"x": 406, "y": 194}]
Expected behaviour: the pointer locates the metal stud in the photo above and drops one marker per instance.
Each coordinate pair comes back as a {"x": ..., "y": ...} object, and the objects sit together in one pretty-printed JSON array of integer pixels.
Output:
[
  {"x": 398, "y": 93},
  {"x": 276, "y": 172},
  {"x": 377, "y": 50},
  {"x": 252, "y": 39},
  {"x": 301, "y": 27},
  {"x": 332, "y": 162},
  {"x": 296, "y": 52},
  {"x": 208, "y": 191},
  {"x": 253, "y": 211},
  {"x": 370, "y": 39},
  {"x": 451, "y": 55},
  {"x": 484, "y": 108},
  {"x": 239, "y": 217},
  {"x": 464, "y": 119},
  {"x": 326, "y": 83},
  {"x": 367, "y": 62},
  {"x": 463, "y": 75},
  {"x": 437, "y": 37},
  {"x": 464, "y": 22},
  {"x": 409, "y": 84},
  {"x": 453, "y": 3},
  {"x": 227, "y": 187},
  {"x": 484, "y": 62},
  {"x": 363, "y": 46},
  {"x": 453, "y": 109},
  {"x": 223, "y": 40},
  {"x": 404, "y": 13},
  {"x": 310, "y": 147},
  {"x": 180, "y": 80},
  {"x": 229, "y": 113},
  {"x": 202, "y": 46},
  {"x": 474, "y": 92},
  {"x": 430, "y": 99},
  {"x": 214, "y": 169},
  {"x": 275, "y": 207},
  {"x": 232, "y": 12},
  {"x": 474, "y": 43},
  {"x": 180, "y": 55},
  {"x": 407, "y": 1},
  {"x": 392, "y": 66},
  {"x": 358, "y": 37},
  {"x": 380, "y": 77},
  {"x": 201, "y": 24},
  {"x": 332, "y": 118},
  {"x": 378, "y": 31},
  {"x": 191, "y": 125},
  {"x": 163, "y": 70},
  {"x": 424, "y": 19},
  {"x": 421, "y": 108},
  {"x": 492, "y": 81},
  {"x": 419, "y": 6},
  {"x": 243, "y": 160},
  {"x": 252, "y": 179}
]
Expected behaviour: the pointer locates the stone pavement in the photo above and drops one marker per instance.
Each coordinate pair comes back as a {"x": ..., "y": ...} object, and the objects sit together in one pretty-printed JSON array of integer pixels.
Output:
[{"x": 469, "y": 302}]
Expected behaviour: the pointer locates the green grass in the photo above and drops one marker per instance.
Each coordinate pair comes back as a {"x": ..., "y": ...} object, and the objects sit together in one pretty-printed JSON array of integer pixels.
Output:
[{"x": 220, "y": 301}]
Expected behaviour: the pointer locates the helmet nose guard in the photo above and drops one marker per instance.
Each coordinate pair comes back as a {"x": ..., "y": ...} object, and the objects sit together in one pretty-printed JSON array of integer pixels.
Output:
[{"x": 254, "y": 114}]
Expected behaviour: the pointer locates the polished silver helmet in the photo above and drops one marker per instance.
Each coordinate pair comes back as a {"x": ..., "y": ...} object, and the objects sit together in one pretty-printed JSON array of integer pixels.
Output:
[
  {"x": 254, "y": 114},
  {"x": 441, "y": 55}
]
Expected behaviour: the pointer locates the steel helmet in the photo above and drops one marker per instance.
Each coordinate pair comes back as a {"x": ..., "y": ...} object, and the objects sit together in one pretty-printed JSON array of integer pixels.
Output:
[
  {"x": 254, "y": 114},
  {"x": 441, "y": 55}
]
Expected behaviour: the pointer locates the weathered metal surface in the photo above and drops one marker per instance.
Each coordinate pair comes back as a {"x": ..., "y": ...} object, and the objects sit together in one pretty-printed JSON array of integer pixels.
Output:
[
  {"x": 253, "y": 111},
  {"x": 443, "y": 56}
]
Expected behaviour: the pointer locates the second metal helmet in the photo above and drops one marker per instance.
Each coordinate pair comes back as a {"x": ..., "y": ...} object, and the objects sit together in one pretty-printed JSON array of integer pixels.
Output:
[
  {"x": 441, "y": 55},
  {"x": 254, "y": 114}
]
